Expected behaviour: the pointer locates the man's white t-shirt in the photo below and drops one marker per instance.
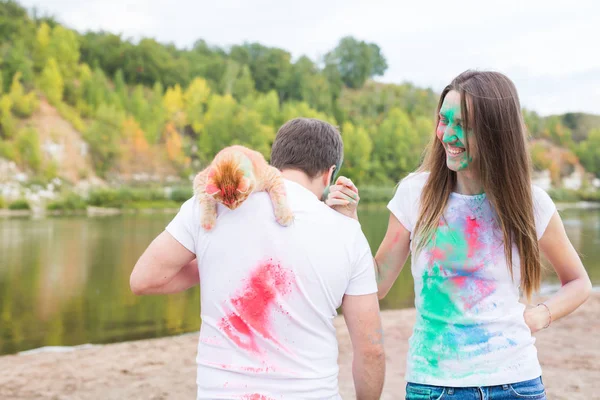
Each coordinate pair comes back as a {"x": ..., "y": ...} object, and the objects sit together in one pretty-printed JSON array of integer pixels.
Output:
[
  {"x": 269, "y": 295},
  {"x": 470, "y": 329}
]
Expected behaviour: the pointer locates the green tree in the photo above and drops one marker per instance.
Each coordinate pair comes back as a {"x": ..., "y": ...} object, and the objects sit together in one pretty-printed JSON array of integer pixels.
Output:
[
  {"x": 357, "y": 152},
  {"x": 154, "y": 124},
  {"x": 243, "y": 86},
  {"x": 229, "y": 77},
  {"x": 120, "y": 91},
  {"x": 397, "y": 147},
  {"x": 51, "y": 82},
  {"x": 249, "y": 131},
  {"x": 356, "y": 61},
  {"x": 96, "y": 90},
  {"x": 291, "y": 110},
  {"x": 14, "y": 58},
  {"x": 267, "y": 106},
  {"x": 271, "y": 67},
  {"x": 539, "y": 156},
  {"x": 173, "y": 103},
  {"x": 29, "y": 149},
  {"x": 218, "y": 126},
  {"x": 7, "y": 122},
  {"x": 41, "y": 48},
  {"x": 588, "y": 152},
  {"x": 64, "y": 46},
  {"x": 104, "y": 136},
  {"x": 23, "y": 104},
  {"x": 196, "y": 99},
  {"x": 85, "y": 76}
]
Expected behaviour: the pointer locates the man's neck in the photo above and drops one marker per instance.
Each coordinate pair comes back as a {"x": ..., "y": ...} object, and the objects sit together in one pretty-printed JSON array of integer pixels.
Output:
[{"x": 304, "y": 180}]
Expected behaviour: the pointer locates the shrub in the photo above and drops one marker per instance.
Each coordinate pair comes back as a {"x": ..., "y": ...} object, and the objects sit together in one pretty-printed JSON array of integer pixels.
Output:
[
  {"x": 124, "y": 196},
  {"x": 8, "y": 151},
  {"x": 181, "y": 194},
  {"x": 20, "y": 204},
  {"x": 70, "y": 202},
  {"x": 104, "y": 198}
]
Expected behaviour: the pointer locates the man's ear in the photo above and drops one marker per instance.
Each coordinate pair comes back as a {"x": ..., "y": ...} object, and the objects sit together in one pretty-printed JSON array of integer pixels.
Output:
[{"x": 329, "y": 176}]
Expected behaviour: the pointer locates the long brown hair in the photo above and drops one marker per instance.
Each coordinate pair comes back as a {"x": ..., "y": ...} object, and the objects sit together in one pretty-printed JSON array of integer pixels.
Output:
[{"x": 491, "y": 111}]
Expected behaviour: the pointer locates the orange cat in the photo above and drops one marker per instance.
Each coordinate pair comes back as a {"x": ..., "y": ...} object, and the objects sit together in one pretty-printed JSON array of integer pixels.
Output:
[{"x": 233, "y": 175}]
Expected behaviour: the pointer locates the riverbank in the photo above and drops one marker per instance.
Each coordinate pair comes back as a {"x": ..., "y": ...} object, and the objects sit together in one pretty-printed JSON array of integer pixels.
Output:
[
  {"x": 172, "y": 208},
  {"x": 165, "y": 369}
]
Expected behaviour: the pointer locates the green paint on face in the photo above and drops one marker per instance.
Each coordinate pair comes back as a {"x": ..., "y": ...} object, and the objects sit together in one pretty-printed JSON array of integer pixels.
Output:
[{"x": 451, "y": 132}]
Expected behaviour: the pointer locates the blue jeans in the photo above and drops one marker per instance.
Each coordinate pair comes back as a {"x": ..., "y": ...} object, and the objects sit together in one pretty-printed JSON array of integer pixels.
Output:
[{"x": 530, "y": 390}]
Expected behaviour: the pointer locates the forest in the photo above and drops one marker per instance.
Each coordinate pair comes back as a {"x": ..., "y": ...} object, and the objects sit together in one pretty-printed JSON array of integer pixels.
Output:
[{"x": 152, "y": 107}]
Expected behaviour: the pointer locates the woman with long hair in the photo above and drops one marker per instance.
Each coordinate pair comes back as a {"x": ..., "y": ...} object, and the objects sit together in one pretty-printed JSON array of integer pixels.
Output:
[{"x": 476, "y": 228}]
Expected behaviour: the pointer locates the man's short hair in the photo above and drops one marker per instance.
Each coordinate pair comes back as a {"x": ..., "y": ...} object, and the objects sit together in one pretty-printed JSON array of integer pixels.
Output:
[{"x": 309, "y": 145}]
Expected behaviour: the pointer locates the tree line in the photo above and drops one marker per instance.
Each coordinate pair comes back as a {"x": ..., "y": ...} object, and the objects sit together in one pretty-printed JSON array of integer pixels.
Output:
[{"x": 142, "y": 106}]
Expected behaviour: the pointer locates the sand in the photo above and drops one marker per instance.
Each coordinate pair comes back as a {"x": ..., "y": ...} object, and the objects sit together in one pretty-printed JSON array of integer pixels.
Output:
[{"x": 164, "y": 368}]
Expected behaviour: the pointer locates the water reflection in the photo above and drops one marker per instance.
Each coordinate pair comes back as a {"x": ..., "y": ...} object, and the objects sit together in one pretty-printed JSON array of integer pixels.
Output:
[{"x": 65, "y": 281}]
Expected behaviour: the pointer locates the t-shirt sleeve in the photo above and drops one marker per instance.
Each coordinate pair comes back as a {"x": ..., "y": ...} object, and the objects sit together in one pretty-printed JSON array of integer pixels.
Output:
[
  {"x": 185, "y": 226},
  {"x": 403, "y": 204},
  {"x": 362, "y": 279},
  {"x": 543, "y": 209}
]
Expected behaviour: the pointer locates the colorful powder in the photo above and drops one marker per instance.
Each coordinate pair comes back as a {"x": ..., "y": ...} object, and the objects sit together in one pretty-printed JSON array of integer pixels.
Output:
[
  {"x": 455, "y": 284},
  {"x": 450, "y": 131},
  {"x": 254, "y": 305},
  {"x": 256, "y": 396}
]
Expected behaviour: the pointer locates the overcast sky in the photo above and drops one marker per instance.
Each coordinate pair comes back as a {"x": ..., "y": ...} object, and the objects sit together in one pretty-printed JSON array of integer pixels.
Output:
[{"x": 549, "y": 48}]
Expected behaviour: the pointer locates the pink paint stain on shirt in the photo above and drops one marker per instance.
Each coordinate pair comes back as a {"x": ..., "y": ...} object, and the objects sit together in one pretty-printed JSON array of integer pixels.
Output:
[
  {"x": 472, "y": 236},
  {"x": 483, "y": 289},
  {"x": 256, "y": 396},
  {"x": 254, "y": 304}
]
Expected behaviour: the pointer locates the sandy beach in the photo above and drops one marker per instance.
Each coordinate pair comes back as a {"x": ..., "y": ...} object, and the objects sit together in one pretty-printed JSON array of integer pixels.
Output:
[{"x": 165, "y": 369}]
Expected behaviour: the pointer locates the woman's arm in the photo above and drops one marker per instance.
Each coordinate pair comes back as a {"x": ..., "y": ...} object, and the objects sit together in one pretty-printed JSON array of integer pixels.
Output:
[
  {"x": 576, "y": 285},
  {"x": 391, "y": 255},
  {"x": 395, "y": 247}
]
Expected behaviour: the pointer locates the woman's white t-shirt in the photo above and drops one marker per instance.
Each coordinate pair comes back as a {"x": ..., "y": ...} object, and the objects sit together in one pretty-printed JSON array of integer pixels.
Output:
[{"x": 470, "y": 329}]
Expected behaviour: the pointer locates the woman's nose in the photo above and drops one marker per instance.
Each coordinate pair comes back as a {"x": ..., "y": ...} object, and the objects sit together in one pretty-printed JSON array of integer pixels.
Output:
[{"x": 449, "y": 135}]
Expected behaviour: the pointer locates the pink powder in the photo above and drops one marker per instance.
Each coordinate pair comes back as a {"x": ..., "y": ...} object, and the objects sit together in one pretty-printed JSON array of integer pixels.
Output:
[
  {"x": 472, "y": 236},
  {"x": 256, "y": 396},
  {"x": 253, "y": 305}
]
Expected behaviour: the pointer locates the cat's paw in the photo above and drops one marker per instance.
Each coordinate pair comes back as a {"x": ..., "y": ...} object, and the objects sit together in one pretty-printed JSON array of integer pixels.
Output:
[
  {"x": 284, "y": 217},
  {"x": 208, "y": 222}
]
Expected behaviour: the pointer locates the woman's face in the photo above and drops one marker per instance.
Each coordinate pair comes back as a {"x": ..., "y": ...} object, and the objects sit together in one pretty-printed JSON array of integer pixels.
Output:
[{"x": 452, "y": 135}]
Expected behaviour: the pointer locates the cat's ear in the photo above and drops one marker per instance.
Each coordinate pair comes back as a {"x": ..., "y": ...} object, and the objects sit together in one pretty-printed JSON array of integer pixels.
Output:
[
  {"x": 244, "y": 185},
  {"x": 211, "y": 174},
  {"x": 212, "y": 189}
]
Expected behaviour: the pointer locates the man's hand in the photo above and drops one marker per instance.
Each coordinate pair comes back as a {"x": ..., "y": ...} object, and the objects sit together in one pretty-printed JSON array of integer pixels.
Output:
[{"x": 343, "y": 197}]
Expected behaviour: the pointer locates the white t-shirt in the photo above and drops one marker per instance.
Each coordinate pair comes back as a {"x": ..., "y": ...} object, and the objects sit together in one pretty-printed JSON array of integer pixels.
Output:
[
  {"x": 470, "y": 329},
  {"x": 269, "y": 295}
]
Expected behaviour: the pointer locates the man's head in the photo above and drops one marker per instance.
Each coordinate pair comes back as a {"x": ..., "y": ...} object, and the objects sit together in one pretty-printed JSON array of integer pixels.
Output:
[{"x": 311, "y": 146}]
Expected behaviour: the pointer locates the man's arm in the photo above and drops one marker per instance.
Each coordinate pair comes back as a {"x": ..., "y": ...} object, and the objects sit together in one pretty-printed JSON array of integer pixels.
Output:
[
  {"x": 165, "y": 267},
  {"x": 364, "y": 324}
]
